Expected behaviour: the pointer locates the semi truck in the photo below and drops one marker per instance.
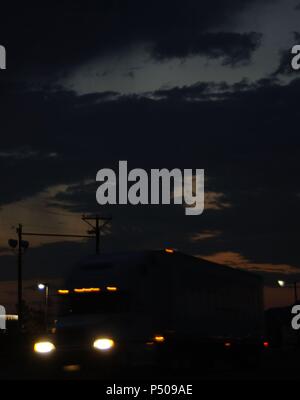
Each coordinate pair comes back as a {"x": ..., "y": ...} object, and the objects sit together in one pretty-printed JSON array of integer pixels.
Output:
[{"x": 158, "y": 307}]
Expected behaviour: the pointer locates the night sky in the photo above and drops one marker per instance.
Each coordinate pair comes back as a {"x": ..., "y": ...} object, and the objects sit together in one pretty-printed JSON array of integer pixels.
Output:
[{"x": 172, "y": 84}]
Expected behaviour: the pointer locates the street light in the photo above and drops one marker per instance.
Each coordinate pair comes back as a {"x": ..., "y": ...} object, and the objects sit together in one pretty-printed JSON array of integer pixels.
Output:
[
  {"x": 41, "y": 286},
  {"x": 45, "y": 287},
  {"x": 284, "y": 284}
]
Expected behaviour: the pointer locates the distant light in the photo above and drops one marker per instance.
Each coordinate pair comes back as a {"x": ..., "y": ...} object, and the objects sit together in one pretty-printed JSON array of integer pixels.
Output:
[
  {"x": 41, "y": 286},
  {"x": 63, "y": 291},
  {"x": 171, "y": 251},
  {"x": 103, "y": 344},
  {"x": 159, "y": 338},
  {"x": 44, "y": 347},
  {"x": 266, "y": 344},
  {"x": 72, "y": 368},
  {"x": 111, "y": 288},
  {"x": 87, "y": 290},
  {"x": 227, "y": 344},
  {"x": 281, "y": 283}
]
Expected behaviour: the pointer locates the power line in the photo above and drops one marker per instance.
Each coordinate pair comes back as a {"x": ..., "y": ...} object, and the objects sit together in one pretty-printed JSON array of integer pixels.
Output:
[{"x": 57, "y": 235}]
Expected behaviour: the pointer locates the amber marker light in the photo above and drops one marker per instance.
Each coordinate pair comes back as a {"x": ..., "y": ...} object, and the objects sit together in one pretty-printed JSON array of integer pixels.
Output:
[
  {"x": 87, "y": 290},
  {"x": 159, "y": 338},
  {"x": 111, "y": 288},
  {"x": 63, "y": 291},
  {"x": 170, "y": 251}
]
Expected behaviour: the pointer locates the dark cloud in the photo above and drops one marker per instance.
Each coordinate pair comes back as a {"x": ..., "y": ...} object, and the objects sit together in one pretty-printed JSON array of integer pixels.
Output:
[
  {"x": 243, "y": 135},
  {"x": 199, "y": 90},
  {"x": 232, "y": 48},
  {"x": 50, "y": 38},
  {"x": 284, "y": 67}
]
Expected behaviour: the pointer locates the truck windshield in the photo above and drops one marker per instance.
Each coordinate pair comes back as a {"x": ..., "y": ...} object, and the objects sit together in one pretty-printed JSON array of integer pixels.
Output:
[{"x": 94, "y": 303}]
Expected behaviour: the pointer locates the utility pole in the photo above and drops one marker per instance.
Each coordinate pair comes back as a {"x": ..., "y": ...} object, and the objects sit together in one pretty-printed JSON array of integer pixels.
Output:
[
  {"x": 96, "y": 229},
  {"x": 21, "y": 245},
  {"x": 20, "y": 286}
]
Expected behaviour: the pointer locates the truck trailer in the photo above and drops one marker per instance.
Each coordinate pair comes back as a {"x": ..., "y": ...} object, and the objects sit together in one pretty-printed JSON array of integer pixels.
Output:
[{"x": 159, "y": 307}]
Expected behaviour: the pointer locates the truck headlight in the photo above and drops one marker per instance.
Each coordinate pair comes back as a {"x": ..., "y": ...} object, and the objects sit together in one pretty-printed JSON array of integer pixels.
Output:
[
  {"x": 43, "y": 347},
  {"x": 103, "y": 344}
]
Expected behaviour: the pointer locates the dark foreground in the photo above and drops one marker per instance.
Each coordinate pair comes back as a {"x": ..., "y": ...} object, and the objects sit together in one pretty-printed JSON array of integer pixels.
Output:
[{"x": 277, "y": 364}]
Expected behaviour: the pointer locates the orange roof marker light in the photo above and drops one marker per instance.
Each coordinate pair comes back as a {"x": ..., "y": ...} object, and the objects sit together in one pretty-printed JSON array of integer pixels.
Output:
[
  {"x": 159, "y": 338},
  {"x": 87, "y": 290},
  {"x": 63, "y": 291},
  {"x": 111, "y": 288},
  {"x": 170, "y": 251}
]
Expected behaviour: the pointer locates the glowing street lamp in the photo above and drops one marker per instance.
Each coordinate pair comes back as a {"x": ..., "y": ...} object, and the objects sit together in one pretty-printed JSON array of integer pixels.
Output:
[{"x": 41, "y": 286}]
